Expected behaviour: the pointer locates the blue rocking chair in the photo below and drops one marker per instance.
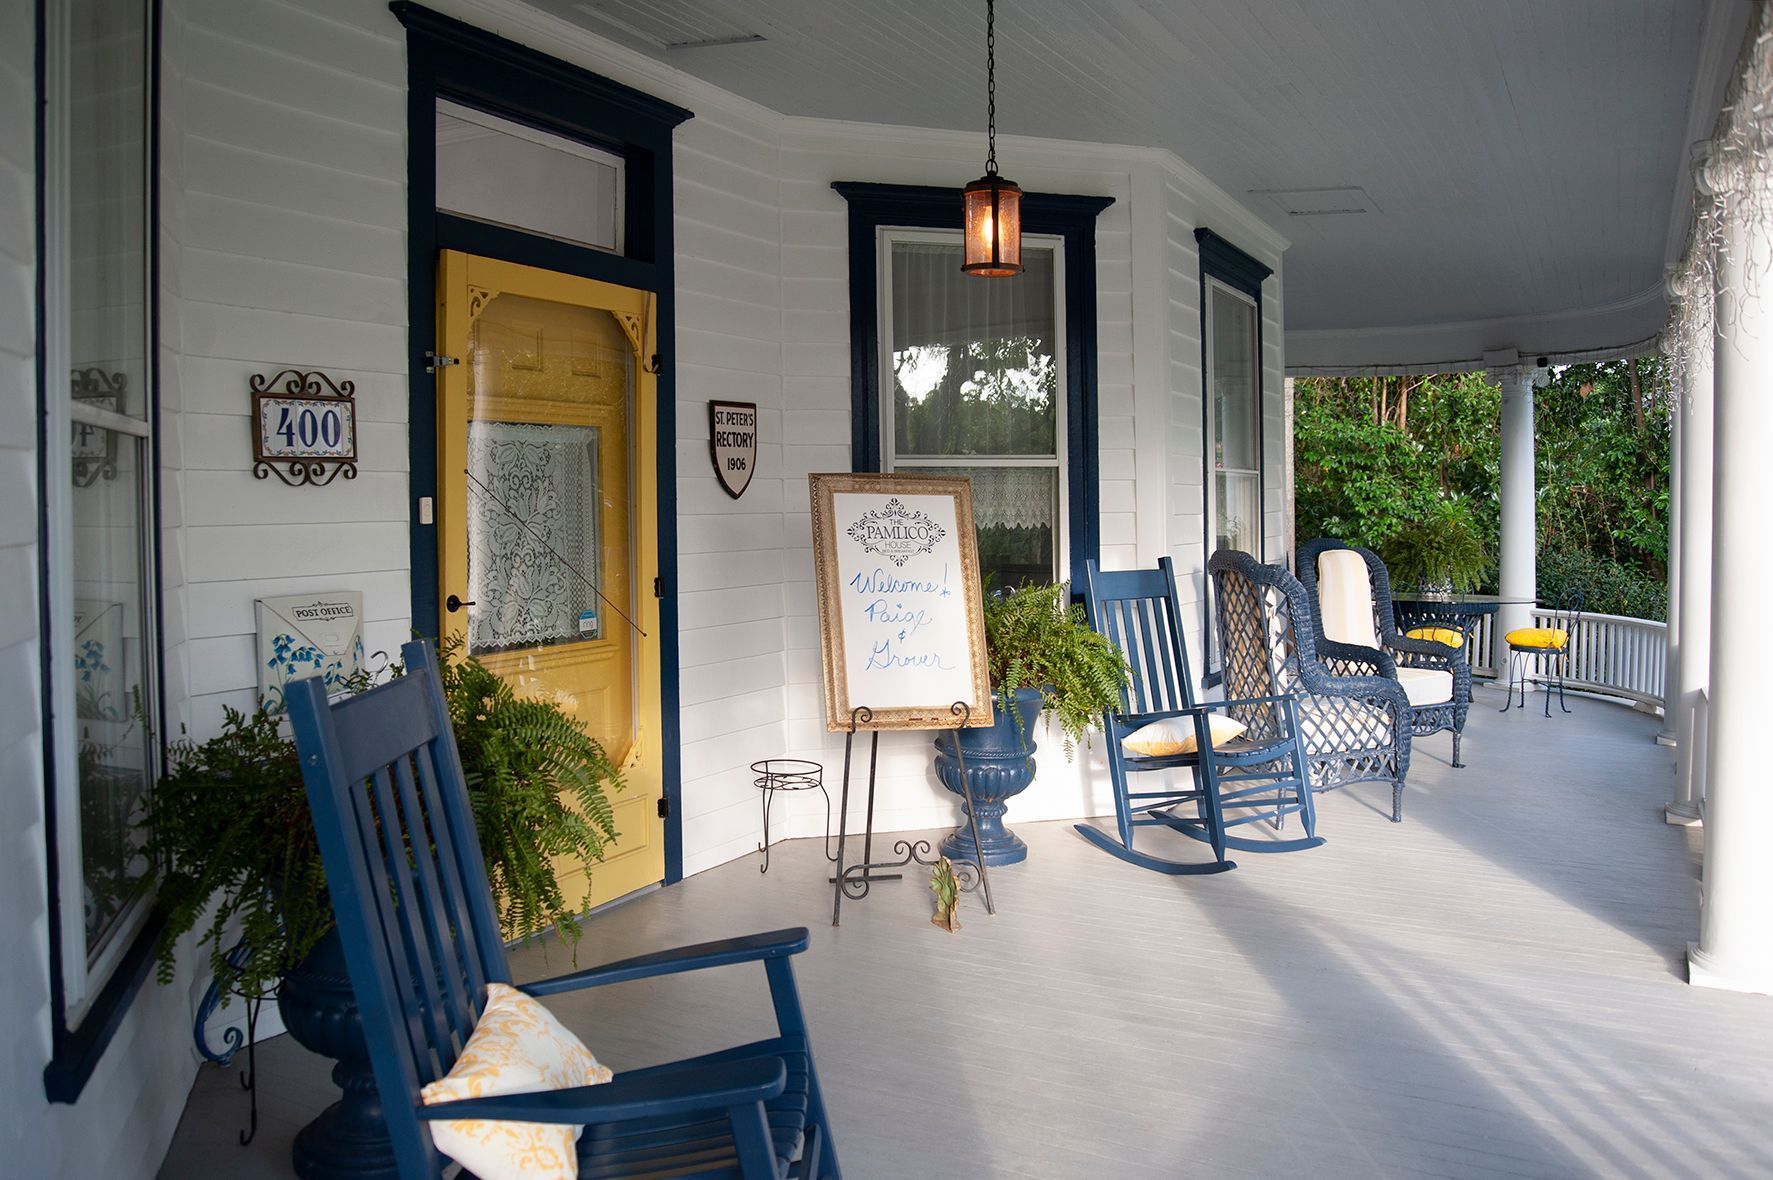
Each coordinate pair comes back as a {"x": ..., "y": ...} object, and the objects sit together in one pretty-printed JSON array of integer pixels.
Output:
[
  {"x": 422, "y": 941},
  {"x": 1249, "y": 779}
]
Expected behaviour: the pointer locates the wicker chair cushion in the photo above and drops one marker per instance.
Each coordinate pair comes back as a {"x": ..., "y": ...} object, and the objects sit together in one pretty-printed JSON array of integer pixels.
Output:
[
  {"x": 1444, "y": 635},
  {"x": 1345, "y": 598},
  {"x": 1538, "y": 638},
  {"x": 1426, "y": 686},
  {"x": 1175, "y": 735}
]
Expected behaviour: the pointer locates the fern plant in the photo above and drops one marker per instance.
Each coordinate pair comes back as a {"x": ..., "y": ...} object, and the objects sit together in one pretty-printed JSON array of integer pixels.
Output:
[
  {"x": 229, "y": 823},
  {"x": 1442, "y": 548},
  {"x": 1036, "y": 637}
]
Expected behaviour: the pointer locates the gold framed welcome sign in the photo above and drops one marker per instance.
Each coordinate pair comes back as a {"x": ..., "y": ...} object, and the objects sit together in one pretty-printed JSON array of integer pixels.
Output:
[{"x": 901, "y": 621}]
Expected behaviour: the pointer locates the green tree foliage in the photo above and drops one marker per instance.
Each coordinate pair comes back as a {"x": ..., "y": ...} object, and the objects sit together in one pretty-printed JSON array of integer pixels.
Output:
[{"x": 1376, "y": 456}]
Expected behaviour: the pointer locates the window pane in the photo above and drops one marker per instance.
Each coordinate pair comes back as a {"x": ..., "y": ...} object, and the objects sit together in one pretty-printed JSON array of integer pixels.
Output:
[
  {"x": 1236, "y": 479},
  {"x": 974, "y": 368},
  {"x": 498, "y": 171},
  {"x": 107, "y": 201},
  {"x": 1016, "y": 511},
  {"x": 109, "y": 657}
]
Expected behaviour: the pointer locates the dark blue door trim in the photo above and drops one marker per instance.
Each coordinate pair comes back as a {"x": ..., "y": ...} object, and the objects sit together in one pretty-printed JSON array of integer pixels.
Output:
[
  {"x": 1221, "y": 260},
  {"x": 447, "y": 58},
  {"x": 1071, "y": 218}
]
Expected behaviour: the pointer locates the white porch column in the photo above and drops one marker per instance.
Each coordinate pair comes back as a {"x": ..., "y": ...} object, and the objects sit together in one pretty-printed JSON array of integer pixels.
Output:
[
  {"x": 1520, "y": 526},
  {"x": 1689, "y": 671},
  {"x": 1735, "y": 947},
  {"x": 1671, "y": 654}
]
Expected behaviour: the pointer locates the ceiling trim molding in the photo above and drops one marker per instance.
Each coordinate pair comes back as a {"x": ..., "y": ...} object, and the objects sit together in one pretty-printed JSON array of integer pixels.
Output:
[
  {"x": 1725, "y": 26},
  {"x": 1627, "y": 327}
]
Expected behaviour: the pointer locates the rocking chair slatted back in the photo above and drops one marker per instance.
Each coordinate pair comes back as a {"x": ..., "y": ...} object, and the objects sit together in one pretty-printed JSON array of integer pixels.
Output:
[
  {"x": 1138, "y": 612},
  {"x": 378, "y": 762}
]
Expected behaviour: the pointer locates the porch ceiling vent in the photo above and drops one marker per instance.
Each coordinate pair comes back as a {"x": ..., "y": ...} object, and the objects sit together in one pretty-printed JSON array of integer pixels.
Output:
[
  {"x": 673, "y": 30},
  {"x": 1318, "y": 202}
]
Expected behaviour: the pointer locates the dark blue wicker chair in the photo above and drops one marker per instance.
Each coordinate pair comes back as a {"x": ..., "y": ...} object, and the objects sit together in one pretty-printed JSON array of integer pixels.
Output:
[
  {"x": 422, "y": 941},
  {"x": 1421, "y": 665},
  {"x": 1353, "y": 714},
  {"x": 1229, "y": 785}
]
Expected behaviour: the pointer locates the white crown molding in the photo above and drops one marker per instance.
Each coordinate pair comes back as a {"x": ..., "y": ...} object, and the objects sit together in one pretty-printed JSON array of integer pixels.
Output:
[
  {"x": 1625, "y": 327},
  {"x": 1725, "y": 24}
]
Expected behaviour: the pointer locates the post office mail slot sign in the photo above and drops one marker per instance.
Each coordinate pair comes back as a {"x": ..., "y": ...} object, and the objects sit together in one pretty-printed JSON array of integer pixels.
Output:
[{"x": 901, "y": 624}]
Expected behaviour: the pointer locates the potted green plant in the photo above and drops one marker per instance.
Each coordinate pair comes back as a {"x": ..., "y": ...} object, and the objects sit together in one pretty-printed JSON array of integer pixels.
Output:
[
  {"x": 229, "y": 822},
  {"x": 1439, "y": 553},
  {"x": 1042, "y": 657}
]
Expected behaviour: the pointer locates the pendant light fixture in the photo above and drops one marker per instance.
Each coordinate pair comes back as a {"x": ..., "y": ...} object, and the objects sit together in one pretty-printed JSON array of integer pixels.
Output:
[{"x": 993, "y": 204}]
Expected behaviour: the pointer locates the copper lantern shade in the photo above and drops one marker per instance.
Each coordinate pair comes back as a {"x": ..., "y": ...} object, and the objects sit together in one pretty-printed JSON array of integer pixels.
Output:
[{"x": 993, "y": 209}]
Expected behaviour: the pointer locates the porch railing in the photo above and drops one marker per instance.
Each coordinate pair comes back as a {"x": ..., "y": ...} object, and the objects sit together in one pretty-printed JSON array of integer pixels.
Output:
[{"x": 1612, "y": 654}]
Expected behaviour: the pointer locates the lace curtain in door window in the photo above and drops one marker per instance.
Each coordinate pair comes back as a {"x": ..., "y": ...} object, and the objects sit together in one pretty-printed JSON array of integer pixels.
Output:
[{"x": 532, "y": 535}]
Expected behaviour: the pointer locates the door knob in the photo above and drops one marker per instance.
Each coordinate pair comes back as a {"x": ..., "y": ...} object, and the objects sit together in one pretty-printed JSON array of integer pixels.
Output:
[{"x": 455, "y": 604}]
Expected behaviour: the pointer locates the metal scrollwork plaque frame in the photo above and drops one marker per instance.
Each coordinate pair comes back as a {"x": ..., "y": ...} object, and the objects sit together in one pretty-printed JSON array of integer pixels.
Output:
[
  {"x": 95, "y": 448},
  {"x": 300, "y": 461}
]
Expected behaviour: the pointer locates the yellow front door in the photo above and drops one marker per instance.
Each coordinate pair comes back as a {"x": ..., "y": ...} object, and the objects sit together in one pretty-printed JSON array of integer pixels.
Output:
[{"x": 548, "y": 517}]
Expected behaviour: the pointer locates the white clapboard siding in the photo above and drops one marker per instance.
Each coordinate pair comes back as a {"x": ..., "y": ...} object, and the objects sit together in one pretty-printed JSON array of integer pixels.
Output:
[
  {"x": 291, "y": 135},
  {"x": 729, "y": 348}
]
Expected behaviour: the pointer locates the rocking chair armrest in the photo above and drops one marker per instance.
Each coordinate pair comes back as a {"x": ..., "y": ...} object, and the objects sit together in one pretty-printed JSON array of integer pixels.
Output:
[
  {"x": 688, "y": 1089},
  {"x": 1353, "y": 653},
  {"x": 750, "y": 948}
]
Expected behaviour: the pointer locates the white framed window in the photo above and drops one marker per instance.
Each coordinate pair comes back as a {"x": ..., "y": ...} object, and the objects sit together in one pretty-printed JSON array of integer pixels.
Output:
[
  {"x": 972, "y": 382},
  {"x": 1233, "y": 419},
  {"x": 101, "y": 635}
]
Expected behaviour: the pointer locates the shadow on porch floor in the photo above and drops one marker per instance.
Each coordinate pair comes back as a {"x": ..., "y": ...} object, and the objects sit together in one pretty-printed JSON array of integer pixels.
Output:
[{"x": 1493, "y": 987}]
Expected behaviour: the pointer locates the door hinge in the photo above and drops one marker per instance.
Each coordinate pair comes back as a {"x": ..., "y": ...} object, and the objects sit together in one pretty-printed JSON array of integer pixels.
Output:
[
  {"x": 658, "y": 587},
  {"x": 439, "y": 362},
  {"x": 664, "y": 807}
]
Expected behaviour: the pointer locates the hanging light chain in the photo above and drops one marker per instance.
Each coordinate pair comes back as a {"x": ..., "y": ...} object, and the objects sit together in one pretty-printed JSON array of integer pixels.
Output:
[{"x": 991, "y": 87}]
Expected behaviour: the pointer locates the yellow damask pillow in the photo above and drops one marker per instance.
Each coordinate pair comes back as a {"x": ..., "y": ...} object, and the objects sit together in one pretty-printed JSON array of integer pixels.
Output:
[
  {"x": 516, "y": 1048},
  {"x": 1446, "y": 635},
  {"x": 1175, "y": 735}
]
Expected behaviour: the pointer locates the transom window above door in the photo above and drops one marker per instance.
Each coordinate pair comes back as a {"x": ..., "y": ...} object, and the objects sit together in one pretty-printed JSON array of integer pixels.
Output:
[
  {"x": 505, "y": 173},
  {"x": 973, "y": 382}
]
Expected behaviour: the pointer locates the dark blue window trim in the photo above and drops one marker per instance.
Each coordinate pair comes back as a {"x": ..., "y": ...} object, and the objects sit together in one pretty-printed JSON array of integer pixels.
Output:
[
  {"x": 1071, "y": 218},
  {"x": 447, "y": 58},
  {"x": 1221, "y": 260},
  {"x": 75, "y": 1051}
]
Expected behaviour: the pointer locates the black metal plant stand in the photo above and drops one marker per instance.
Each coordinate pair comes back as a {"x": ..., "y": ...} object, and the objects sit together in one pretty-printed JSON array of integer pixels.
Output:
[
  {"x": 234, "y": 1039},
  {"x": 789, "y": 774},
  {"x": 856, "y": 880}
]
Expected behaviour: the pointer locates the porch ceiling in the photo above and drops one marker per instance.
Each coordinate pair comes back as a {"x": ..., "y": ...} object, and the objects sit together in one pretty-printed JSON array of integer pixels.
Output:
[{"x": 1525, "y": 160}]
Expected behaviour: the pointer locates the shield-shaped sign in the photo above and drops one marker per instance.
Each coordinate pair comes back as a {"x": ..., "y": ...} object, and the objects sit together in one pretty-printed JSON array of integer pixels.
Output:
[{"x": 732, "y": 438}]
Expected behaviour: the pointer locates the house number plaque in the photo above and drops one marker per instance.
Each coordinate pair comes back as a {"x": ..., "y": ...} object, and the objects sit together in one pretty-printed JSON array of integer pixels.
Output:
[{"x": 305, "y": 428}]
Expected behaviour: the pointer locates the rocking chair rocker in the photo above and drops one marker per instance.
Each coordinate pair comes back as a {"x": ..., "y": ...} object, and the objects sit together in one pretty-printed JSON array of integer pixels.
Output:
[
  {"x": 1252, "y": 778},
  {"x": 422, "y": 942}
]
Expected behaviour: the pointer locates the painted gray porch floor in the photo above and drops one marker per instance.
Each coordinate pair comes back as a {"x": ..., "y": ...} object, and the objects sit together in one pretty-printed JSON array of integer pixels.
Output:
[{"x": 1494, "y": 987}]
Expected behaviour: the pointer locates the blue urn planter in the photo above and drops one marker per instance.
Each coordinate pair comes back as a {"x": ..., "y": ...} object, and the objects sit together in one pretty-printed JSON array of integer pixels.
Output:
[
  {"x": 1000, "y": 765},
  {"x": 350, "y": 1137}
]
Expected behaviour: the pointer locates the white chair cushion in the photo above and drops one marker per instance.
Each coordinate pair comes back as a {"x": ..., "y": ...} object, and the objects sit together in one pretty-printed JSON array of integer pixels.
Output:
[
  {"x": 1175, "y": 735},
  {"x": 1345, "y": 598},
  {"x": 1426, "y": 686},
  {"x": 517, "y": 1047}
]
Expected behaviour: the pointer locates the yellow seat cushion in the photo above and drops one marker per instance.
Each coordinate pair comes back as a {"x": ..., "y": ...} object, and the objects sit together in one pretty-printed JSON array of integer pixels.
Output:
[
  {"x": 1538, "y": 638},
  {"x": 1175, "y": 735},
  {"x": 1444, "y": 635},
  {"x": 517, "y": 1047}
]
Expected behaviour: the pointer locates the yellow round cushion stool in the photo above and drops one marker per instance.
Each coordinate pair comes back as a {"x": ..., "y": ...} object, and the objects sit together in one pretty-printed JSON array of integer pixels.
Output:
[
  {"x": 1446, "y": 635},
  {"x": 1538, "y": 638}
]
